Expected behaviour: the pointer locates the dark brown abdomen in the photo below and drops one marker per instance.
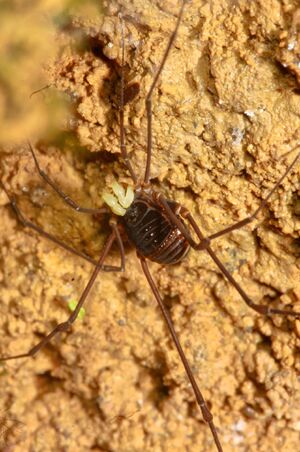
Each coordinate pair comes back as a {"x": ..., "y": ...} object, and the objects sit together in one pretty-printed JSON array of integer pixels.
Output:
[{"x": 152, "y": 233}]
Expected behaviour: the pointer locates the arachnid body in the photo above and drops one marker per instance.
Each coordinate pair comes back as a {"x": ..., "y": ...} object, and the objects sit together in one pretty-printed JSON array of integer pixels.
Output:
[{"x": 165, "y": 378}]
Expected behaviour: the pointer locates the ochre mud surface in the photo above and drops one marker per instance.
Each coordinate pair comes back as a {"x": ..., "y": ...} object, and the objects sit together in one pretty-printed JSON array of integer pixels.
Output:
[{"x": 225, "y": 117}]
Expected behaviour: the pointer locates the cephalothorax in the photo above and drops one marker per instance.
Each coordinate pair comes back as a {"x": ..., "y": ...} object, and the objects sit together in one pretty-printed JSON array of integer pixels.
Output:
[{"x": 161, "y": 230}]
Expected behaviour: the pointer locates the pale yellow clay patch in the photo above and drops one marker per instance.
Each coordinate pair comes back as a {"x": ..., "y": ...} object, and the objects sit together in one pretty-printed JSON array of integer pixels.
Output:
[{"x": 121, "y": 200}]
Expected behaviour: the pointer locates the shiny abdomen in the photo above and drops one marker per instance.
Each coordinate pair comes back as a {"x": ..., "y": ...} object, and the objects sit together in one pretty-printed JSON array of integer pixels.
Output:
[{"x": 152, "y": 233}]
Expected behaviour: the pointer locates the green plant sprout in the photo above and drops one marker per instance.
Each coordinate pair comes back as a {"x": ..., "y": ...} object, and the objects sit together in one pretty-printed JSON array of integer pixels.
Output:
[{"x": 72, "y": 305}]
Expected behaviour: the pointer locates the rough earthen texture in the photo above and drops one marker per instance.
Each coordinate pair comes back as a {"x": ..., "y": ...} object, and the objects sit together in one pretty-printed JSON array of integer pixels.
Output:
[{"x": 226, "y": 116}]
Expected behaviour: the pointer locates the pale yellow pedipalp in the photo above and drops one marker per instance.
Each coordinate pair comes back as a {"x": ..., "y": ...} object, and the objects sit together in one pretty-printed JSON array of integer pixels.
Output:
[
  {"x": 118, "y": 190},
  {"x": 113, "y": 203},
  {"x": 120, "y": 201},
  {"x": 124, "y": 199}
]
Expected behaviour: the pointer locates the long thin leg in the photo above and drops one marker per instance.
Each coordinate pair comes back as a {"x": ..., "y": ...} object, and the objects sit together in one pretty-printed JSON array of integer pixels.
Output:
[
  {"x": 204, "y": 244},
  {"x": 121, "y": 109},
  {"x": 205, "y": 241},
  {"x": 40, "y": 231},
  {"x": 263, "y": 204},
  {"x": 64, "y": 326},
  {"x": 115, "y": 228},
  {"x": 39, "y": 90},
  {"x": 148, "y": 101},
  {"x": 65, "y": 197},
  {"x": 207, "y": 416},
  {"x": 261, "y": 309}
]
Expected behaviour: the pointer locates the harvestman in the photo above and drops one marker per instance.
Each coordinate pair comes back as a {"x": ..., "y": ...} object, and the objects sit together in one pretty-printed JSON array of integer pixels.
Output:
[{"x": 157, "y": 227}]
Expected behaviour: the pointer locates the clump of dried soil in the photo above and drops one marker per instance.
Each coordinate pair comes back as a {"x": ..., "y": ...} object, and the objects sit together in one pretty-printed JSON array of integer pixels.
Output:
[{"x": 226, "y": 115}]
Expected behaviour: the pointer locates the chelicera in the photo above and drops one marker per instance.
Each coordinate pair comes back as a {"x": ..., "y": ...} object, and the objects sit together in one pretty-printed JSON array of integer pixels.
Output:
[{"x": 161, "y": 230}]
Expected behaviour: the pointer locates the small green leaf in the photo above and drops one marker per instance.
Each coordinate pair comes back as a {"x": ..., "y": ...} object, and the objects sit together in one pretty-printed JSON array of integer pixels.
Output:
[{"x": 72, "y": 305}]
